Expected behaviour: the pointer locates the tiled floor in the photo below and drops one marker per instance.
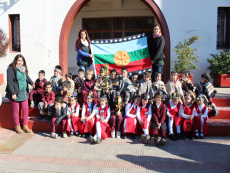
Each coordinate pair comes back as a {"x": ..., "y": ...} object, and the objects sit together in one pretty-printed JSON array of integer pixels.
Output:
[{"x": 41, "y": 153}]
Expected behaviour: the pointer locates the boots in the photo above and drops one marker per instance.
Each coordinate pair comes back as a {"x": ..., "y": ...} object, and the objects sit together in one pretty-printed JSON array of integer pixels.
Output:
[
  {"x": 214, "y": 109},
  {"x": 26, "y": 129},
  {"x": 18, "y": 129}
]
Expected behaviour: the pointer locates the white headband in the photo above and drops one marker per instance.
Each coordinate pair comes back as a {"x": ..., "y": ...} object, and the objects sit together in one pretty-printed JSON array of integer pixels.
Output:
[
  {"x": 81, "y": 73},
  {"x": 135, "y": 76},
  {"x": 57, "y": 70}
]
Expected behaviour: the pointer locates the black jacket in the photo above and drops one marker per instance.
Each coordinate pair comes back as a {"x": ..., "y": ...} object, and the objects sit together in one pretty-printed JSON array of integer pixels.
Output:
[
  {"x": 59, "y": 117},
  {"x": 12, "y": 86},
  {"x": 156, "y": 47}
]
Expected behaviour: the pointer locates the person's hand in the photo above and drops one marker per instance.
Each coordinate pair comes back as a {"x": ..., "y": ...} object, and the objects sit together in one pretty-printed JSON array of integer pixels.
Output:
[
  {"x": 61, "y": 92},
  {"x": 190, "y": 117},
  {"x": 33, "y": 86},
  {"x": 136, "y": 88},
  {"x": 118, "y": 113},
  {"x": 171, "y": 118},
  {"x": 159, "y": 125},
  {"x": 134, "y": 116},
  {"x": 141, "y": 122},
  {"x": 152, "y": 62},
  {"x": 79, "y": 90},
  {"x": 73, "y": 114},
  {"x": 102, "y": 121},
  {"x": 199, "y": 115},
  {"x": 68, "y": 115},
  {"x": 14, "y": 97},
  {"x": 82, "y": 118},
  {"x": 56, "y": 124},
  {"x": 45, "y": 105},
  {"x": 107, "y": 91},
  {"x": 91, "y": 55},
  {"x": 87, "y": 119}
]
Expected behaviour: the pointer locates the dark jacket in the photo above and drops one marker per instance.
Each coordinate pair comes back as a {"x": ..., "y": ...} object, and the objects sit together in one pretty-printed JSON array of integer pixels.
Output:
[
  {"x": 156, "y": 47},
  {"x": 158, "y": 114},
  {"x": 12, "y": 86},
  {"x": 59, "y": 117},
  {"x": 40, "y": 85}
]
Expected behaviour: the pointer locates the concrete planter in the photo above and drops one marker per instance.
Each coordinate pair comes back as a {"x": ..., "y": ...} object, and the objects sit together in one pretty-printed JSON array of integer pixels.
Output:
[{"x": 222, "y": 80}]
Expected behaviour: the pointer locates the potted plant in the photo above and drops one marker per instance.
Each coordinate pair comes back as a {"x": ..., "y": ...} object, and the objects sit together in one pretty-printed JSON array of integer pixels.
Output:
[
  {"x": 220, "y": 68},
  {"x": 4, "y": 43},
  {"x": 186, "y": 56}
]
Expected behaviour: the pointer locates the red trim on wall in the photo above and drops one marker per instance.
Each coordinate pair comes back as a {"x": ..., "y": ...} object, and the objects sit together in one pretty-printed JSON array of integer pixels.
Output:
[
  {"x": 10, "y": 35},
  {"x": 76, "y": 7}
]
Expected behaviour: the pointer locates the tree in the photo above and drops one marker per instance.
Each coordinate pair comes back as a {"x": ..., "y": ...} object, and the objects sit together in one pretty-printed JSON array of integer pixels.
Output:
[{"x": 4, "y": 43}]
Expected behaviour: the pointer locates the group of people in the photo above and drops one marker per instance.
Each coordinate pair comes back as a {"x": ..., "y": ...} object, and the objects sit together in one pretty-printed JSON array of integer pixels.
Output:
[{"x": 113, "y": 106}]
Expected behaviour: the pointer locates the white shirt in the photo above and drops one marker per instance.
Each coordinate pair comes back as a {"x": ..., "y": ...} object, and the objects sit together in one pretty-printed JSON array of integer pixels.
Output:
[
  {"x": 128, "y": 109},
  {"x": 205, "y": 115},
  {"x": 149, "y": 112},
  {"x": 182, "y": 114},
  {"x": 108, "y": 113},
  {"x": 72, "y": 107},
  {"x": 93, "y": 112}
]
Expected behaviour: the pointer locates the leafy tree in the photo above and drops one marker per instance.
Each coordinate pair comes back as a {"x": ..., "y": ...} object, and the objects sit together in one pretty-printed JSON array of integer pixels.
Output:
[{"x": 4, "y": 43}]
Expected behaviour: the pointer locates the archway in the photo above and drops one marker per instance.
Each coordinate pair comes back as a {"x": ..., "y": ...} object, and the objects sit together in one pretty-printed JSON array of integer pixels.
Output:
[{"x": 77, "y": 6}]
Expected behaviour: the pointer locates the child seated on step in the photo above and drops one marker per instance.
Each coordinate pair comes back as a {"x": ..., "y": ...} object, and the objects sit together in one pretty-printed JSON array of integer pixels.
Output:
[
  {"x": 68, "y": 77},
  {"x": 173, "y": 107},
  {"x": 88, "y": 86},
  {"x": 56, "y": 80},
  {"x": 144, "y": 115},
  {"x": 59, "y": 114},
  {"x": 89, "y": 110},
  {"x": 47, "y": 101},
  {"x": 37, "y": 92},
  {"x": 136, "y": 84},
  {"x": 174, "y": 85},
  {"x": 200, "y": 117},
  {"x": 158, "y": 119},
  {"x": 79, "y": 81},
  {"x": 66, "y": 91},
  {"x": 102, "y": 125},
  {"x": 205, "y": 87},
  {"x": 115, "y": 85},
  {"x": 187, "y": 111},
  {"x": 116, "y": 119},
  {"x": 187, "y": 84},
  {"x": 130, "y": 118},
  {"x": 74, "y": 124}
]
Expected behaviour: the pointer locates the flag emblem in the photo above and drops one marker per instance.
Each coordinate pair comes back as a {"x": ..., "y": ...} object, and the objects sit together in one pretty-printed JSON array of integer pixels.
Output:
[{"x": 121, "y": 58}]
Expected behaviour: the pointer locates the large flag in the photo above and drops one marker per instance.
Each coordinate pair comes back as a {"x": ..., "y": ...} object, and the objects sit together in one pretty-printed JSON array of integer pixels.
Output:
[{"x": 128, "y": 52}]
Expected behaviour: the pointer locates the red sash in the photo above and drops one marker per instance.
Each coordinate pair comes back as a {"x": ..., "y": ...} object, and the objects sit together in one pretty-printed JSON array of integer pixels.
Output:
[
  {"x": 130, "y": 122},
  {"x": 144, "y": 112},
  {"x": 197, "y": 121},
  {"x": 187, "y": 124},
  {"x": 175, "y": 113},
  {"x": 88, "y": 128},
  {"x": 105, "y": 128}
]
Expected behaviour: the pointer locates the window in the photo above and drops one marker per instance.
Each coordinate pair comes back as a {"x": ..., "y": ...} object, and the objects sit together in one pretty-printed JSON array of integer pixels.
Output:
[
  {"x": 14, "y": 24},
  {"x": 223, "y": 27},
  {"x": 106, "y": 28}
]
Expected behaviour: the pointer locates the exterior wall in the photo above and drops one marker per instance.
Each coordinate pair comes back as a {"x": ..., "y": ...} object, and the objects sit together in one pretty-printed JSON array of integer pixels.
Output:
[{"x": 41, "y": 22}]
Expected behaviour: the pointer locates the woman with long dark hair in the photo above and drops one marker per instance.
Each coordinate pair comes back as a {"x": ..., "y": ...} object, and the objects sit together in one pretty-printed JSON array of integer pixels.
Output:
[
  {"x": 17, "y": 91},
  {"x": 156, "y": 46},
  {"x": 84, "y": 53}
]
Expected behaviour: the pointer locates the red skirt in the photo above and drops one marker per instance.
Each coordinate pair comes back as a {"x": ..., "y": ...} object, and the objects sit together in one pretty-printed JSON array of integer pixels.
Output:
[
  {"x": 76, "y": 123},
  {"x": 105, "y": 130},
  {"x": 178, "y": 120},
  {"x": 89, "y": 126},
  {"x": 187, "y": 125},
  {"x": 197, "y": 125},
  {"x": 131, "y": 127}
]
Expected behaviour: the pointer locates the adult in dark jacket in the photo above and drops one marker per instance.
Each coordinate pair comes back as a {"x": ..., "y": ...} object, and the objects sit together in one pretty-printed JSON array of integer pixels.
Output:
[
  {"x": 156, "y": 46},
  {"x": 84, "y": 53},
  {"x": 17, "y": 91}
]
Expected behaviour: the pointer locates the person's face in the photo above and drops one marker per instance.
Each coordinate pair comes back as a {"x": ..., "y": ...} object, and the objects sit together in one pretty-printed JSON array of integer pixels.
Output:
[
  {"x": 102, "y": 74},
  {"x": 48, "y": 88},
  {"x": 56, "y": 73},
  {"x": 174, "y": 76},
  {"x": 188, "y": 100},
  {"x": 175, "y": 101},
  {"x": 158, "y": 99},
  {"x": 57, "y": 105},
  {"x": 158, "y": 78},
  {"x": 124, "y": 74},
  {"x": 146, "y": 78},
  {"x": 80, "y": 75},
  {"x": 83, "y": 35},
  {"x": 40, "y": 76},
  {"x": 68, "y": 78},
  {"x": 200, "y": 102},
  {"x": 156, "y": 30},
  {"x": 102, "y": 102},
  {"x": 72, "y": 101},
  {"x": 89, "y": 76},
  {"x": 184, "y": 76},
  {"x": 64, "y": 88},
  {"x": 89, "y": 100},
  {"x": 113, "y": 75},
  {"x": 137, "y": 101},
  {"x": 202, "y": 80},
  {"x": 144, "y": 102},
  {"x": 134, "y": 79},
  {"x": 20, "y": 61}
]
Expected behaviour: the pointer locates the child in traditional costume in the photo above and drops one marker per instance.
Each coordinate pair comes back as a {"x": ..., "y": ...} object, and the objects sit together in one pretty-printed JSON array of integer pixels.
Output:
[
  {"x": 102, "y": 125},
  {"x": 144, "y": 115},
  {"x": 158, "y": 119},
  {"x": 116, "y": 119},
  {"x": 130, "y": 118}
]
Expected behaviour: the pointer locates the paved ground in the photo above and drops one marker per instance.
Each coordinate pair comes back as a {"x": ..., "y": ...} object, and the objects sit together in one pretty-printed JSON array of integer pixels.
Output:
[{"x": 40, "y": 153}]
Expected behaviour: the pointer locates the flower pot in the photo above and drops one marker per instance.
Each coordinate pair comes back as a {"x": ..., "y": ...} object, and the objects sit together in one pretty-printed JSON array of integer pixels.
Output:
[
  {"x": 1, "y": 78},
  {"x": 190, "y": 77},
  {"x": 222, "y": 80}
]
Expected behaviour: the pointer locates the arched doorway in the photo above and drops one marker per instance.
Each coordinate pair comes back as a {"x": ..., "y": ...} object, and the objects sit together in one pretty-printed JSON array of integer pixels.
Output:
[{"x": 76, "y": 7}]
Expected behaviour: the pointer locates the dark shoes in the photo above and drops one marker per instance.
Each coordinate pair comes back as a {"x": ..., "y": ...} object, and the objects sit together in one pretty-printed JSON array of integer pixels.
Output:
[
  {"x": 172, "y": 137},
  {"x": 41, "y": 117},
  {"x": 99, "y": 141},
  {"x": 163, "y": 141},
  {"x": 91, "y": 139},
  {"x": 178, "y": 136},
  {"x": 190, "y": 136},
  {"x": 145, "y": 138},
  {"x": 133, "y": 136},
  {"x": 157, "y": 140},
  {"x": 183, "y": 135},
  {"x": 48, "y": 118},
  {"x": 124, "y": 136}
]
